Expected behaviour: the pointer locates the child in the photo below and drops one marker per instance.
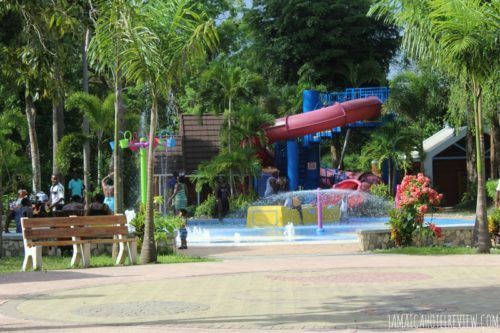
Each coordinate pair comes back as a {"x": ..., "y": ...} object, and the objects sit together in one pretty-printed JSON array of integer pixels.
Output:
[{"x": 182, "y": 229}]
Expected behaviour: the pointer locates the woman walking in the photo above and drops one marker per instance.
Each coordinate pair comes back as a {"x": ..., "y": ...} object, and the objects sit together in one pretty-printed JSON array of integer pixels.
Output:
[{"x": 179, "y": 197}]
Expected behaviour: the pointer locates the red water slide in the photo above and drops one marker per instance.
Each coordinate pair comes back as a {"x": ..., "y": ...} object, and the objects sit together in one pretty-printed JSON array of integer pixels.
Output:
[{"x": 339, "y": 114}]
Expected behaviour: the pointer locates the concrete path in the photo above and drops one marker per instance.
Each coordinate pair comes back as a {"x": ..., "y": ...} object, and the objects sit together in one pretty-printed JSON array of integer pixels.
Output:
[{"x": 276, "y": 288}]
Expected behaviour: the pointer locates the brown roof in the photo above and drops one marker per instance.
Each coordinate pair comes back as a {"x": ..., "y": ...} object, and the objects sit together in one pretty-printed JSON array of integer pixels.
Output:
[{"x": 200, "y": 142}]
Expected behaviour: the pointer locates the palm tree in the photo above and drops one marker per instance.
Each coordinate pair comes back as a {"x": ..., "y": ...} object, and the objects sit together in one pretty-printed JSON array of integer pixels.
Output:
[
  {"x": 392, "y": 143},
  {"x": 233, "y": 82},
  {"x": 104, "y": 54},
  {"x": 99, "y": 115},
  {"x": 420, "y": 98},
  {"x": 160, "y": 40},
  {"x": 461, "y": 38}
]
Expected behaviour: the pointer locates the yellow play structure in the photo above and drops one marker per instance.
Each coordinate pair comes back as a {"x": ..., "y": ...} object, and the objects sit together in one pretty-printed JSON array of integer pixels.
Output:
[{"x": 279, "y": 216}]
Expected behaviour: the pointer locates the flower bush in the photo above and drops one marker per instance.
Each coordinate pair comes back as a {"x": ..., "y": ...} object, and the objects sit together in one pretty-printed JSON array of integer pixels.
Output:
[{"x": 414, "y": 198}]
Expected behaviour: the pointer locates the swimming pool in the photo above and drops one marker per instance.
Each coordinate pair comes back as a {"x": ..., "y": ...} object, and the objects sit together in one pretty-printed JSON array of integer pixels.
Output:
[{"x": 235, "y": 232}]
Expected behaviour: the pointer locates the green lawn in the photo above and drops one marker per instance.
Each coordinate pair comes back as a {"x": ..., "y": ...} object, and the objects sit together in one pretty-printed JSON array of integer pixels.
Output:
[
  {"x": 14, "y": 264},
  {"x": 437, "y": 250}
]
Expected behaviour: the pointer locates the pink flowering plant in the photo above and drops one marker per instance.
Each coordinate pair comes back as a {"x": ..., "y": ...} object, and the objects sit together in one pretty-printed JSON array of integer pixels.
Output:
[{"x": 414, "y": 198}]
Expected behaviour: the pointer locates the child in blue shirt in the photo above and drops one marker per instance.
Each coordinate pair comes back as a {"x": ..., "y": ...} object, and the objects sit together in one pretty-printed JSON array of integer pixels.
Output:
[{"x": 182, "y": 229}]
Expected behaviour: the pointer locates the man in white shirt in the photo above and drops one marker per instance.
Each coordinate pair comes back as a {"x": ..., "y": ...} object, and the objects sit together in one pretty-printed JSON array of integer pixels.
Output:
[{"x": 56, "y": 194}]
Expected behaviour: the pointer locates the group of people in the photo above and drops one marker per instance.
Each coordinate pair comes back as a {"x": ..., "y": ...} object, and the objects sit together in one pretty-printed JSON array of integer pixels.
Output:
[{"x": 43, "y": 205}]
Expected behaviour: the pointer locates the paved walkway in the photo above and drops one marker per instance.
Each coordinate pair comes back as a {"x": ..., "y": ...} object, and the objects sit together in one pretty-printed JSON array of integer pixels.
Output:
[{"x": 278, "y": 288}]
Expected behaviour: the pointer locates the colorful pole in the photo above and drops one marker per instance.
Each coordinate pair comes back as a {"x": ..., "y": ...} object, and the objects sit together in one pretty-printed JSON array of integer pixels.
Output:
[
  {"x": 319, "y": 208},
  {"x": 143, "y": 156}
]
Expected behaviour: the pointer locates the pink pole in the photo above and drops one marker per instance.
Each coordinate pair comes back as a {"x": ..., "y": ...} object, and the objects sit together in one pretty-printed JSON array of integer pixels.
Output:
[{"x": 319, "y": 212}]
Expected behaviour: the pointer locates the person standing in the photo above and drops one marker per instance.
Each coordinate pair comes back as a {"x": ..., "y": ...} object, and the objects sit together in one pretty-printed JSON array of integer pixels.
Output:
[
  {"x": 171, "y": 186},
  {"x": 179, "y": 197},
  {"x": 222, "y": 197},
  {"x": 76, "y": 186},
  {"x": 108, "y": 189},
  {"x": 56, "y": 194},
  {"x": 24, "y": 211},
  {"x": 183, "y": 229}
]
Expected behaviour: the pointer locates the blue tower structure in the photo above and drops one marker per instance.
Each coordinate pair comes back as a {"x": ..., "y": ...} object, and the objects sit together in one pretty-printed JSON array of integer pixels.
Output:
[{"x": 303, "y": 157}]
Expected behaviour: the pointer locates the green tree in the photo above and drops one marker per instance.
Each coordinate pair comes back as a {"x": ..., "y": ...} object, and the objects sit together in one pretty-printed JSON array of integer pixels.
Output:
[
  {"x": 321, "y": 34},
  {"x": 100, "y": 117},
  {"x": 11, "y": 160},
  {"x": 160, "y": 39},
  {"x": 235, "y": 84},
  {"x": 460, "y": 38},
  {"x": 422, "y": 99},
  {"x": 105, "y": 55},
  {"x": 391, "y": 143}
]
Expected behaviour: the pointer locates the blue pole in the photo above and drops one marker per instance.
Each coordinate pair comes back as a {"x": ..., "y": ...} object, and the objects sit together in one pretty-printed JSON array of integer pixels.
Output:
[
  {"x": 292, "y": 152},
  {"x": 310, "y": 102}
]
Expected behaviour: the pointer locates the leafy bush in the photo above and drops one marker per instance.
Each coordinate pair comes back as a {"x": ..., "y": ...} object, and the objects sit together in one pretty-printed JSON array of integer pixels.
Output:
[
  {"x": 238, "y": 206},
  {"x": 381, "y": 190},
  {"x": 414, "y": 198},
  {"x": 164, "y": 224},
  {"x": 494, "y": 222},
  {"x": 69, "y": 152},
  {"x": 491, "y": 188},
  {"x": 207, "y": 208}
]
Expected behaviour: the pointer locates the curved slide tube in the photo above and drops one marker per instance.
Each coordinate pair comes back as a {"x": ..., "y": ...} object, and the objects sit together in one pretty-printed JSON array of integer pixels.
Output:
[{"x": 339, "y": 114}]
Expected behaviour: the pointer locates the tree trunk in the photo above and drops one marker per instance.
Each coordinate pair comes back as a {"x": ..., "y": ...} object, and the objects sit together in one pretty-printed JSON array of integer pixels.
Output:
[
  {"x": 1, "y": 215},
  {"x": 148, "y": 251},
  {"x": 470, "y": 153},
  {"x": 231, "y": 177},
  {"x": 495, "y": 146},
  {"x": 117, "y": 152},
  {"x": 334, "y": 150},
  {"x": 85, "y": 125},
  {"x": 57, "y": 120},
  {"x": 99, "y": 159},
  {"x": 484, "y": 241},
  {"x": 35, "y": 153}
]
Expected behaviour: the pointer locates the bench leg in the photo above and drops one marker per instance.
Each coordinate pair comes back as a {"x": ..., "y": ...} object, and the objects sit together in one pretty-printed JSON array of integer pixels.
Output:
[
  {"x": 32, "y": 258},
  {"x": 131, "y": 249},
  {"x": 81, "y": 255}
]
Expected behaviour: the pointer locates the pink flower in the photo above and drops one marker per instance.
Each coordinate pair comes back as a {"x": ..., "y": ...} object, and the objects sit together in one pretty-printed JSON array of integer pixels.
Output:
[{"x": 423, "y": 209}]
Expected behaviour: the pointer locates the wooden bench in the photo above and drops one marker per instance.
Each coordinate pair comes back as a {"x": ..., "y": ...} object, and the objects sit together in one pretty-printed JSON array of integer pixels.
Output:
[{"x": 79, "y": 231}]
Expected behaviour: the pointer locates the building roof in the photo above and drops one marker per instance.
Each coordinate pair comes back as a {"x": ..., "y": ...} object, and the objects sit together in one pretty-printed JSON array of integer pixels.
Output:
[
  {"x": 441, "y": 140},
  {"x": 198, "y": 141}
]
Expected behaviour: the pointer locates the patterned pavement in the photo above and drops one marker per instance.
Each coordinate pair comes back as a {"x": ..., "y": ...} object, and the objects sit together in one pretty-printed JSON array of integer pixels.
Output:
[{"x": 290, "y": 291}]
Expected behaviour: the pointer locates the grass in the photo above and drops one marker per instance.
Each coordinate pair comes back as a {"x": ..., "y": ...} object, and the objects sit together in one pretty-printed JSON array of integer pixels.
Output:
[
  {"x": 14, "y": 264},
  {"x": 434, "y": 250}
]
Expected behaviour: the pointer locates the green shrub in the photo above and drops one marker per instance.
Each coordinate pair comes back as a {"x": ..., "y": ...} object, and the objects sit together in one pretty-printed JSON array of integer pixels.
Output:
[
  {"x": 491, "y": 188},
  {"x": 164, "y": 224},
  {"x": 207, "y": 208},
  {"x": 238, "y": 206},
  {"x": 494, "y": 222},
  {"x": 381, "y": 190}
]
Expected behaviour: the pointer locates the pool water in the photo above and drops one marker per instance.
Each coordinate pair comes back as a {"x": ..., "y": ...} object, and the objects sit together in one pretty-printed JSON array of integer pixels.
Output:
[{"x": 235, "y": 232}]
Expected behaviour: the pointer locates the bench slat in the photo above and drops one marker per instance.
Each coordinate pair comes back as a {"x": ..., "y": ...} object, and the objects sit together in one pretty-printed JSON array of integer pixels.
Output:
[
  {"x": 74, "y": 232},
  {"x": 75, "y": 220},
  {"x": 89, "y": 241}
]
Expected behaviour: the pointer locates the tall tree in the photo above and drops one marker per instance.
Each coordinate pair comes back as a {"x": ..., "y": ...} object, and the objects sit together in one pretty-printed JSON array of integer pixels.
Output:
[
  {"x": 100, "y": 117},
  {"x": 422, "y": 99},
  {"x": 11, "y": 159},
  {"x": 233, "y": 83},
  {"x": 321, "y": 34},
  {"x": 459, "y": 37},
  {"x": 105, "y": 53},
  {"x": 160, "y": 40}
]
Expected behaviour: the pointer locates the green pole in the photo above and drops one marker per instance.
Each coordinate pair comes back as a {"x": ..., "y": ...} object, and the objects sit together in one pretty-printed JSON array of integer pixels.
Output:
[{"x": 144, "y": 162}]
